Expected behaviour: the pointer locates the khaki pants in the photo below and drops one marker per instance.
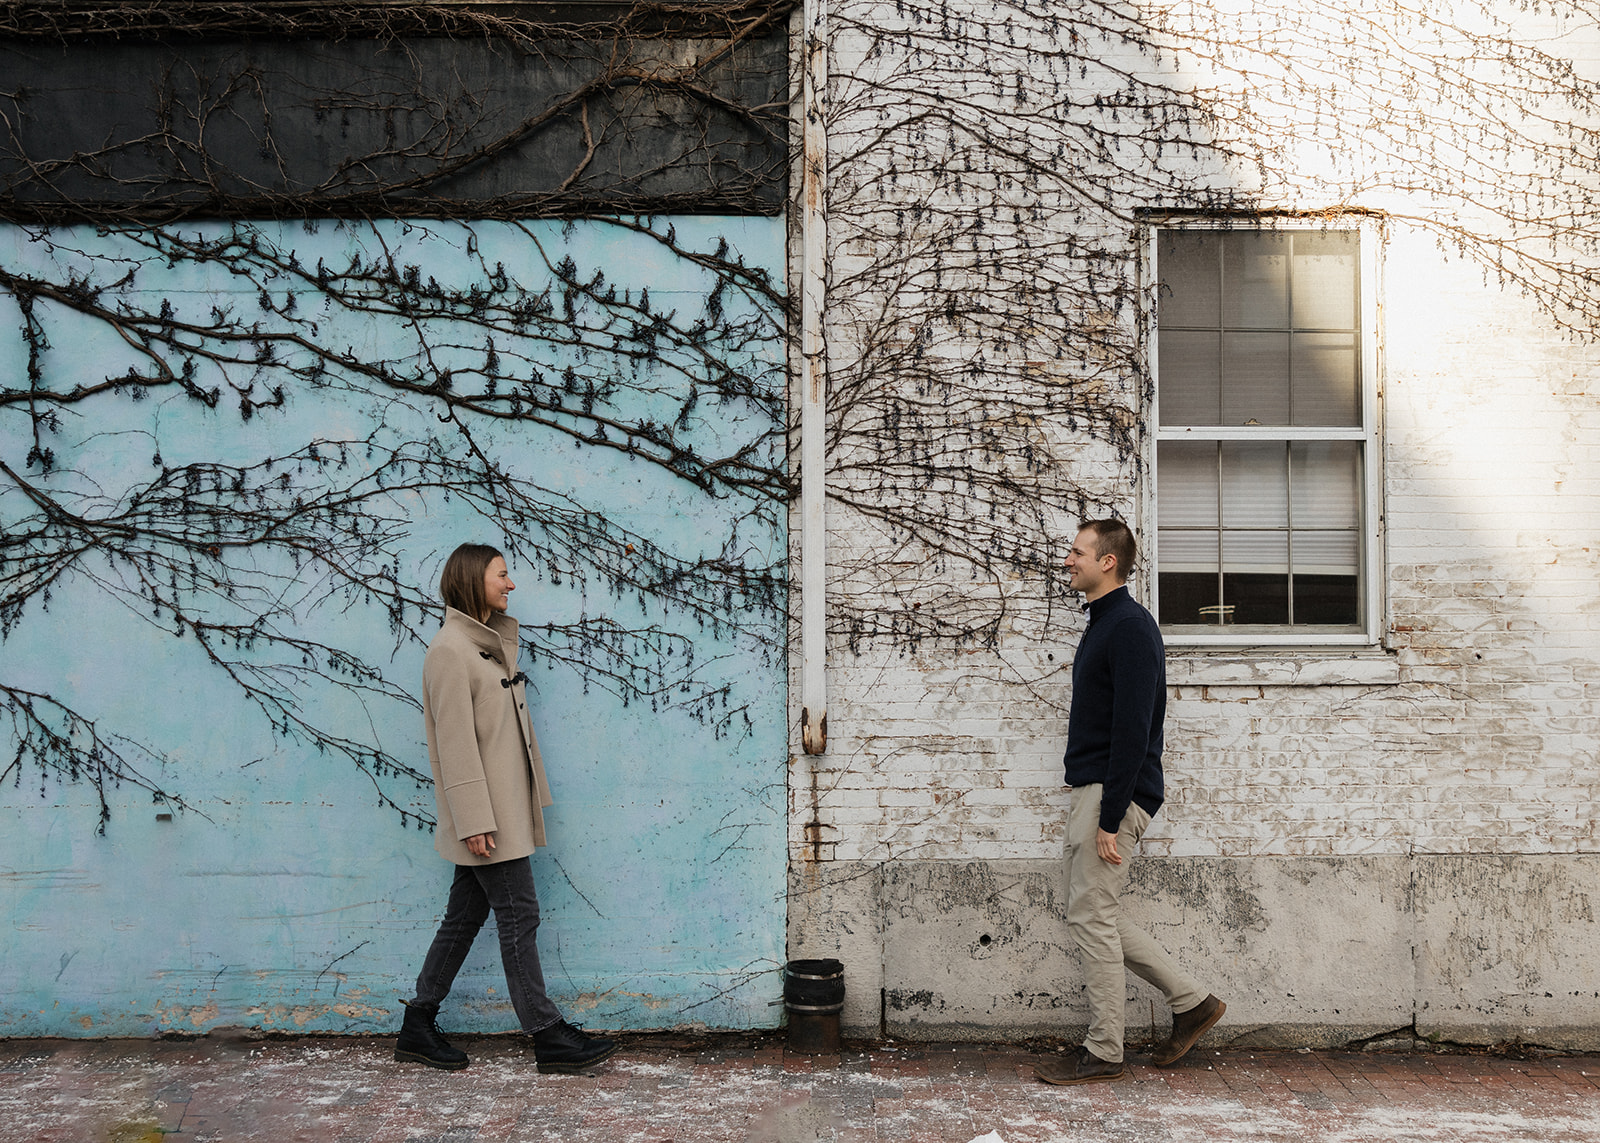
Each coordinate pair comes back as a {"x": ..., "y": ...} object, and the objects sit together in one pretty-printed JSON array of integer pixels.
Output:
[{"x": 1108, "y": 944}]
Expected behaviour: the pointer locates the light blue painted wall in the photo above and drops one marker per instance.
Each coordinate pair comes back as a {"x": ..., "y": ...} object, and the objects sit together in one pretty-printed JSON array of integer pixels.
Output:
[{"x": 287, "y": 896}]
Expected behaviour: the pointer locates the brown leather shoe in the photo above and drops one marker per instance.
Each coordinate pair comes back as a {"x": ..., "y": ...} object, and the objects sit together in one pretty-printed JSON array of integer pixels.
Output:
[
  {"x": 1187, "y": 1028},
  {"x": 1082, "y": 1066}
]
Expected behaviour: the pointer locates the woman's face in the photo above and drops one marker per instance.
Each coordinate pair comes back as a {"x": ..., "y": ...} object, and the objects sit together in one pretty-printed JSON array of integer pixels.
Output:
[{"x": 497, "y": 585}]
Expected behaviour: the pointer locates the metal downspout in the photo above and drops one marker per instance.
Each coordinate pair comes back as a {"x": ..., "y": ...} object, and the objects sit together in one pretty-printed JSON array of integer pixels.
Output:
[{"x": 813, "y": 407}]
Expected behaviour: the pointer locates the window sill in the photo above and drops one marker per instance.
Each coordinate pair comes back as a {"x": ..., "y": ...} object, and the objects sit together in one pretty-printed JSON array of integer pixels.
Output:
[{"x": 1282, "y": 669}]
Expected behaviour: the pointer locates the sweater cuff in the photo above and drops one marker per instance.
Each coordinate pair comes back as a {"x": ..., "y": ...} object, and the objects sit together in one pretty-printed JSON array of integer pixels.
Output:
[{"x": 1116, "y": 822}]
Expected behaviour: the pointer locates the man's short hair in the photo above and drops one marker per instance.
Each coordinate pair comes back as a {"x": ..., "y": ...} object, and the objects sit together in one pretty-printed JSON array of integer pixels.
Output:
[
  {"x": 1113, "y": 538},
  {"x": 461, "y": 585}
]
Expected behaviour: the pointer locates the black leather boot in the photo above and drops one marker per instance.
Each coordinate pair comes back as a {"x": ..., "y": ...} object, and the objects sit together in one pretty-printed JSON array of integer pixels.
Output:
[
  {"x": 420, "y": 1041},
  {"x": 563, "y": 1048}
]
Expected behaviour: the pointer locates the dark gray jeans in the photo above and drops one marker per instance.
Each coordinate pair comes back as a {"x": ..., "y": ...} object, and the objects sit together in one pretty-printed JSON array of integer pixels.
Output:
[{"x": 507, "y": 888}]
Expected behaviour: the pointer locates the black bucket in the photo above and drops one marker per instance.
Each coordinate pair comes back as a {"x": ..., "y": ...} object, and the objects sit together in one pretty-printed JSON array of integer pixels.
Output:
[{"x": 813, "y": 996}]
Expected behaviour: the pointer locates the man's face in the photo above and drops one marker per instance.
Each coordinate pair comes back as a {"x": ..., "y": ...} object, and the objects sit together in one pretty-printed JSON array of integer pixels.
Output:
[{"x": 1087, "y": 572}]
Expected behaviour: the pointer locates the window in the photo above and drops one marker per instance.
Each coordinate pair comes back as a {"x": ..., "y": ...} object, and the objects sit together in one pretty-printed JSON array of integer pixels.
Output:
[{"x": 1266, "y": 446}]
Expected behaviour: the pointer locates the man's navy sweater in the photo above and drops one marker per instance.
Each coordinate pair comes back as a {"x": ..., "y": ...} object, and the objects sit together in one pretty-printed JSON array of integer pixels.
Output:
[{"x": 1119, "y": 704}]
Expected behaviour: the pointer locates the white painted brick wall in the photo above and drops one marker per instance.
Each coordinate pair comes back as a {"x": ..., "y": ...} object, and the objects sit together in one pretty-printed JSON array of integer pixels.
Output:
[{"x": 1487, "y": 740}]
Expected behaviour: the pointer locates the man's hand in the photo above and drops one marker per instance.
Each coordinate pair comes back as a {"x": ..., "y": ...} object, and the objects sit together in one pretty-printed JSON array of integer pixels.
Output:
[
  {"x": 1106, "y": 845},
  {"x": 479, "y": 844}
]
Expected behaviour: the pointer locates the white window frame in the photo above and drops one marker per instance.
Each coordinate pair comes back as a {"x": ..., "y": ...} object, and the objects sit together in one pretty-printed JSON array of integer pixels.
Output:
[{"x": 1369, "y": 433}]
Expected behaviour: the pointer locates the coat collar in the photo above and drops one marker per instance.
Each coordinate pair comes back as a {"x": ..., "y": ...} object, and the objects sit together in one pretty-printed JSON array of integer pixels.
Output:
[
  {"x": 498, "y": 637},
  {"x": 1106, "y": 602}
]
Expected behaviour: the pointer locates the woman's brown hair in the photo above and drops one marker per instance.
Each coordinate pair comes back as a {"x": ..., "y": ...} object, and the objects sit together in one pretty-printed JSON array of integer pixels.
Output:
[{"x": 461, "y": 584}]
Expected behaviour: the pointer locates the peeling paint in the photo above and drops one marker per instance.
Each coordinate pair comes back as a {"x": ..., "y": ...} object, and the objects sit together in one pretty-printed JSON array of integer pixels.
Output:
[
  {"x": 588, "y": 1001},
  {"x": 202, "y": 1015}
]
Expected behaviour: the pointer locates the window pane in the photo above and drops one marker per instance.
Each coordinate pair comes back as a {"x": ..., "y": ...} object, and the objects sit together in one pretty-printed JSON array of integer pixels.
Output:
[
  {"x": 1326, "y": 478},
  {"x": 1255, "y": 280},
  {"x": 1323, "y": 389},
  {"x": 1191, "y": 366},
  {"x": 1191, "y": 597},
  {"x": 1255, "y": 385},
  {"x": 1255, "y": 576},
  {"x": 1262, "y": 599},
  {"x": 1255, "y": 485},
  {"x": 1186, "y": 476},
  {"x": 1188, "y": 551},
  {"x": 1257, "y": 553},
  {"x": 1325, "y": 279},
  {"x": 1188, "y": 263},
  {"x": 1325, "y": 553},
  {"x": 1188, "y": 584},
  {"x": 1327, "y": 599}
]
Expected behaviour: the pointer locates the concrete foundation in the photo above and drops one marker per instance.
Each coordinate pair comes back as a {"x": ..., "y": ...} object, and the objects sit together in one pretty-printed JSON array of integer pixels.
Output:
[{"x": 1308, "y": 952}]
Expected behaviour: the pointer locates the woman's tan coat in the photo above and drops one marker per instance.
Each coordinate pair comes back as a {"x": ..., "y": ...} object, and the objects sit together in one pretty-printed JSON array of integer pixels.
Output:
[{"x": 487, "y": 773}]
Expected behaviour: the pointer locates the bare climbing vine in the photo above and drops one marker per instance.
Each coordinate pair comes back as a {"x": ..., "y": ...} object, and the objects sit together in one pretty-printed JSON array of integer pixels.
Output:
[
  {"x": 237, "y": 553},
  {"x": 628, "y": 112},
  {"x": 993, "y": 170}
]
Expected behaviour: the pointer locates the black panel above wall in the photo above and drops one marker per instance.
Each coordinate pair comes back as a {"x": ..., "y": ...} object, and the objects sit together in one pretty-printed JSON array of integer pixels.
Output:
[
  {"x": 345, "y": 19},
  {"x": 624, "y": 116}
]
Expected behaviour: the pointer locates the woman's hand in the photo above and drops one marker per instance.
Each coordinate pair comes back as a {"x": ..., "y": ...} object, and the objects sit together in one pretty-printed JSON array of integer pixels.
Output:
[{"x": 479, "y": 844}]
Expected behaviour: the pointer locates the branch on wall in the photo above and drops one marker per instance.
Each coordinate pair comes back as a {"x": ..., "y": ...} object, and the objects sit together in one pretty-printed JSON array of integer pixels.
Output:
[
  {"x": 992, "y": 178},
  {"x": 234, "y": 555}
]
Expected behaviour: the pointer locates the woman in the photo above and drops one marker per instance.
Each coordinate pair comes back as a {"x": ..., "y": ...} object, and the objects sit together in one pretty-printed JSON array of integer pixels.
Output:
[{"x": 489, "y": 782}]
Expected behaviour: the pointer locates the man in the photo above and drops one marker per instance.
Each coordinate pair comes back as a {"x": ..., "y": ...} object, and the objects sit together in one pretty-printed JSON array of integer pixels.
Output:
[{"x": 1113, "y": 766}]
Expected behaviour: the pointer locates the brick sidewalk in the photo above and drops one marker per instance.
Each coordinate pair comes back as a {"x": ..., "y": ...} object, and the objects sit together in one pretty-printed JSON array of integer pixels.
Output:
[{"x": 747, "y": 1089}]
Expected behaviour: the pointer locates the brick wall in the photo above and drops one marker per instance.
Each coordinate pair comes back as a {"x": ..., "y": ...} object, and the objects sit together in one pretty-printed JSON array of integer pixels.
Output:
[
  {"x": 1470, "y": 733},
  {"x": 1473, "y": 730}
]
